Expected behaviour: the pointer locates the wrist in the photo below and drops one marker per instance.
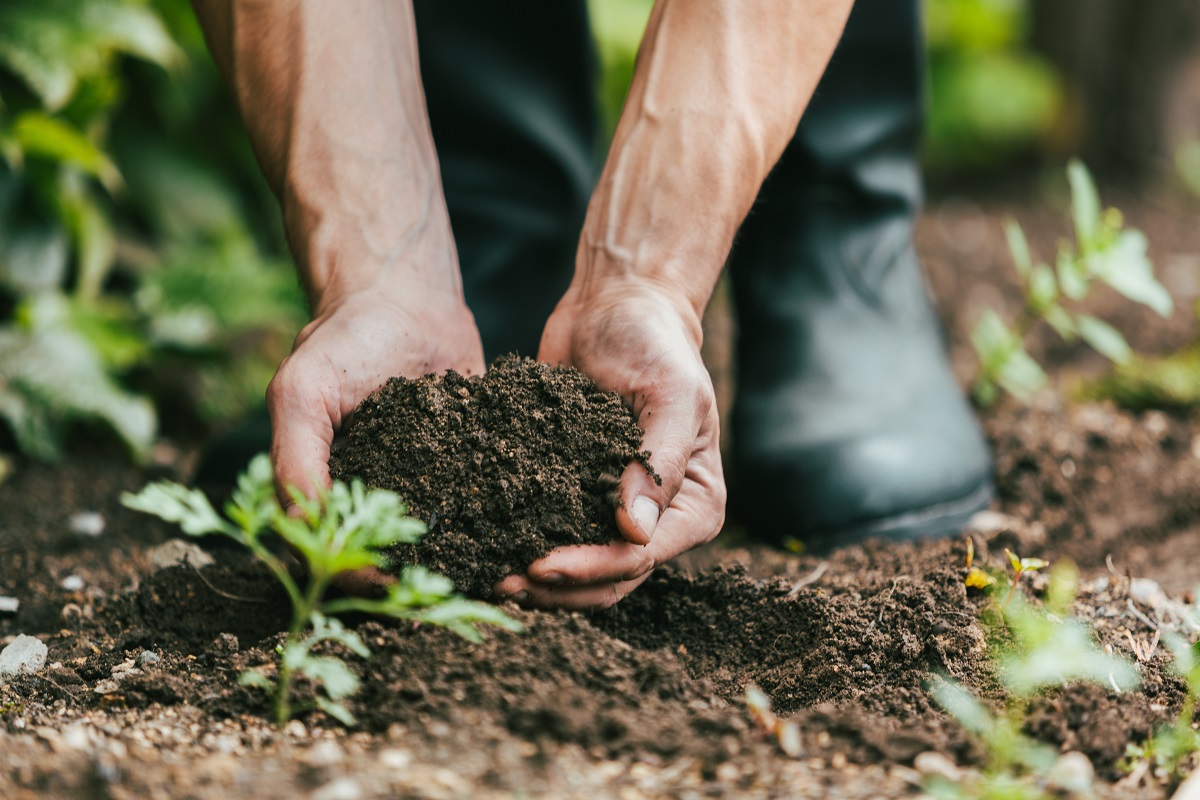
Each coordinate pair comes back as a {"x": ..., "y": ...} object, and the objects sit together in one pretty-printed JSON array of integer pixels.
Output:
[{"x": 338, "y": 255}]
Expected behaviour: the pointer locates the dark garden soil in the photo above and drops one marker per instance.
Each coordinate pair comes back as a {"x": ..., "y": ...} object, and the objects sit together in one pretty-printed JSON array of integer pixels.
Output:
[
  {"x": 504, "y": 466},
  {"x": 645, "y": 700}
]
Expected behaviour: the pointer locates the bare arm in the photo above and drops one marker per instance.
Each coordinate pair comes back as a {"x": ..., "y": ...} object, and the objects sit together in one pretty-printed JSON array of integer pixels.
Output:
[
  {"x": 719, "y": 88},
  {"x": 331, "y": 95}
]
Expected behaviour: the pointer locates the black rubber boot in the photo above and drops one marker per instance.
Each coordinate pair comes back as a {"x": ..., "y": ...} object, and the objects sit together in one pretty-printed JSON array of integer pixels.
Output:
[{"x": 848, "y": 423}]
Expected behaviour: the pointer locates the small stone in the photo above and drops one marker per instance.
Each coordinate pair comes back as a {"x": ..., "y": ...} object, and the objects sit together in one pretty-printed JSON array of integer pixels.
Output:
[
  {"x": 72, "y": 583},
  {"x": 325, "y": 753},
  {"x": 1073, "y": 773},
  {"x": 339, "y": 789},
  {"x": 9, "y": 605},
  {"x": 991, "y": 522},
  {"x": 394, "y": 759},
  {"x": 107, "y": 686},
  {"x": 87, "y": 523},
  {"x": 1147, "y": 591},
  {"x": 931, "y": 763},
  {"x": 225, "y": 643},
  {"x": 174, "y": 552},
  {"x": 296, "y": 730},
  {"x": 148, "y": 658},
  {"x": 25, "y": 654}
]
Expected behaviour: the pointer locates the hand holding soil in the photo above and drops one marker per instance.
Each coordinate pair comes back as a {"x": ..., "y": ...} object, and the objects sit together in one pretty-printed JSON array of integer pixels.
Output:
[
  {"x": 638, "y": 342},
  {"x": 338, "y": 359}
]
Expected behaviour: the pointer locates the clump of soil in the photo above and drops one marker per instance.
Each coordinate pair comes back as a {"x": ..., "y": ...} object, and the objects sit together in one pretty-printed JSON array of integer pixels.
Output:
[{"x": 504, "y": 466}]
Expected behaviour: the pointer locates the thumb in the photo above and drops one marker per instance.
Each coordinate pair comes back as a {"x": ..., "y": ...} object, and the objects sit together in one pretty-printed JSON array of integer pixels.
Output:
[
  {"x": 301, "y": 435},
  {"x": 671, "y": 421}
]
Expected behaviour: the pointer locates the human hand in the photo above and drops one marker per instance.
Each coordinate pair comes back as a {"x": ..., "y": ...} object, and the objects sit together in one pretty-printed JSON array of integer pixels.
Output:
[
  {"x": 351, "y": 348},
  {"x": 633, "y": 338}
]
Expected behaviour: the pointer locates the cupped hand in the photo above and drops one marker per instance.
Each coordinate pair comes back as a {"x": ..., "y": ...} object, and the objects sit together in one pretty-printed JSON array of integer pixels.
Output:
[
  {"x": 353, "y": 346},
  {"x": 634, "y": 338}
]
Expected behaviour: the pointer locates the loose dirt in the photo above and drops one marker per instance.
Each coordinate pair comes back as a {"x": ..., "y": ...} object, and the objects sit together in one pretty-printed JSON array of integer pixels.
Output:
[{"x": 504, "y": 466}]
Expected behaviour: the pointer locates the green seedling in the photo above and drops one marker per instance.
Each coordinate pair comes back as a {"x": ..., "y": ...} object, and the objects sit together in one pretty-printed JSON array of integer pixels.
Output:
[
  {"x": 1040, "y": 649},
  {"x": 1020, "y": 567},
  {"x": 1104, "y": 251},
  {"x": 342, "y": 529}
]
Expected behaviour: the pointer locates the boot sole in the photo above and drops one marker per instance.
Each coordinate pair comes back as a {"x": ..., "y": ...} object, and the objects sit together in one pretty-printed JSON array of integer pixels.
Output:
[{"x": 933, "y": 522}]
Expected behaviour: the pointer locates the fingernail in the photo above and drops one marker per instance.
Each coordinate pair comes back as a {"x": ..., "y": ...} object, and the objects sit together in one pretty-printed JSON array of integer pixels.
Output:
[
  {"x": 549, "y": 577},
  {"x": 520, "y": 597},
  {"x": 645, "y": 514}
]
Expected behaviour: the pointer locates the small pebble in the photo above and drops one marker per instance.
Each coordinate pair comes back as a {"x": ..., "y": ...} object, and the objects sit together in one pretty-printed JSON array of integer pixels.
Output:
[
  {"x": 148, "y": 658},
  {"x": 87, "y": 523},
  {"x": 339, "y": 789},
  {"x": 225, "y": 643},
  {"x": 72, "y": 583},
  {"x": 1073, "y": 773},
  {"x": 25, "y": 654},
  {"x": 931, "y": 763},
  {"x": 9, "y": 605},
  {"x": 174, "y": 552}
]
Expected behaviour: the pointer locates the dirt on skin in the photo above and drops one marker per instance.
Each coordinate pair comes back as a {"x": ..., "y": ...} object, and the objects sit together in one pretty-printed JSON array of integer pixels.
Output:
[
  {"x": 641, "y": 701},
  {"x": 503, "y": 466}
]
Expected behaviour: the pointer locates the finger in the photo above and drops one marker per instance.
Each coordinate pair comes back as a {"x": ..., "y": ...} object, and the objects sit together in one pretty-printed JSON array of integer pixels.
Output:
[
  {"x": 583, "y": 564},
  {"x": 672, "y": 421},
  {"x": 578, "y": 598},
  {"x": 301, "y": 434},
  {"x": 368, "y": 582}
]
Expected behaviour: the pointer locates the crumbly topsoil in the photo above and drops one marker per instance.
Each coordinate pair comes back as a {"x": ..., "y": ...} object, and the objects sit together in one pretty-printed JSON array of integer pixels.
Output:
[{"x": 503, "y": 466}]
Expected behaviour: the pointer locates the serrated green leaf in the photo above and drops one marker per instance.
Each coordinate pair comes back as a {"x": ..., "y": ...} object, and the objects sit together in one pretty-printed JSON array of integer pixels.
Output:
[
  {"x": 332, "y": 673},
  {"x": 1126, "y": 267},
  {"x": 187, "y": 508},
  {"x": 1106, "y": 339},
  {"x": 1018, "y": 247},
  {"x": 1061, "y": 320},
  {"x": 336, "y": 710},
  {"x": 962, "y": 705},
  {"x": 1085, "y": 205},
  {"x": 255, "y": 679},
  {"x": 1020, "y": 375}
]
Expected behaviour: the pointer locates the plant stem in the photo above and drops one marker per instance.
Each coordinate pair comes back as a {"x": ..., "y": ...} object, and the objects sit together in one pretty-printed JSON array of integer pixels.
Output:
[{"x": 1012, "y": 590}]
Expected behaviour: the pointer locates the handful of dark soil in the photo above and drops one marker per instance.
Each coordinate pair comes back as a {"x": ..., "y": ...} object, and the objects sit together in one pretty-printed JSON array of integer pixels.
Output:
[{"x": 504, "y": 467}]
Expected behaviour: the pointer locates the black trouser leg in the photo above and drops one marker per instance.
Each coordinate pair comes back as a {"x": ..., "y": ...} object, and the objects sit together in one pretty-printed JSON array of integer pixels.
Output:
[
  {"x": 510, "y": 90},
  {"x": 848, "y": 422}
]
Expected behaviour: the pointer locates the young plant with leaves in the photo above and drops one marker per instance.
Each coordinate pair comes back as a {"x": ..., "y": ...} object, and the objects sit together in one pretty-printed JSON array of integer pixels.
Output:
[
  {"x": 1034, "y": 649},
  {"x": 343, "y": 529},
  {"x": 1104, "y": 251}
]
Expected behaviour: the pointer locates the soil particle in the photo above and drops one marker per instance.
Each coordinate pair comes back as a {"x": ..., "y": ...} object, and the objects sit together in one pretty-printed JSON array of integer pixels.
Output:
[{"x": 504, "y": 466}]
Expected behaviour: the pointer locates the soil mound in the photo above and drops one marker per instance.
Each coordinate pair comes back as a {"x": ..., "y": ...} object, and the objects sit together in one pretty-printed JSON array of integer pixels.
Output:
[{"x": 504, "y": 466}]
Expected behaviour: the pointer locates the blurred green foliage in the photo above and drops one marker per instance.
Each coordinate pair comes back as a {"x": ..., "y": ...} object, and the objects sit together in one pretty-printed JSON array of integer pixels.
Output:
[
  {"x": 139, "y": 248},
  {"x": 990, "y": 96}
]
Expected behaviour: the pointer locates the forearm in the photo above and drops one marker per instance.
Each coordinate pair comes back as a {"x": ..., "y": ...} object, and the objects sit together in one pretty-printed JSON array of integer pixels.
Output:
[
  {"x": 331, "y": 96},
  {"x": 718, "y": 91}
]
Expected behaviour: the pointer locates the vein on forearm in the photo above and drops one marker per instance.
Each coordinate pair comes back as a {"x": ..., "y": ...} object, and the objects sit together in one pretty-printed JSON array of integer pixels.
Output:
[
  {"x": 718, "y": 90},
  {"x": 332, "y": 99}
]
